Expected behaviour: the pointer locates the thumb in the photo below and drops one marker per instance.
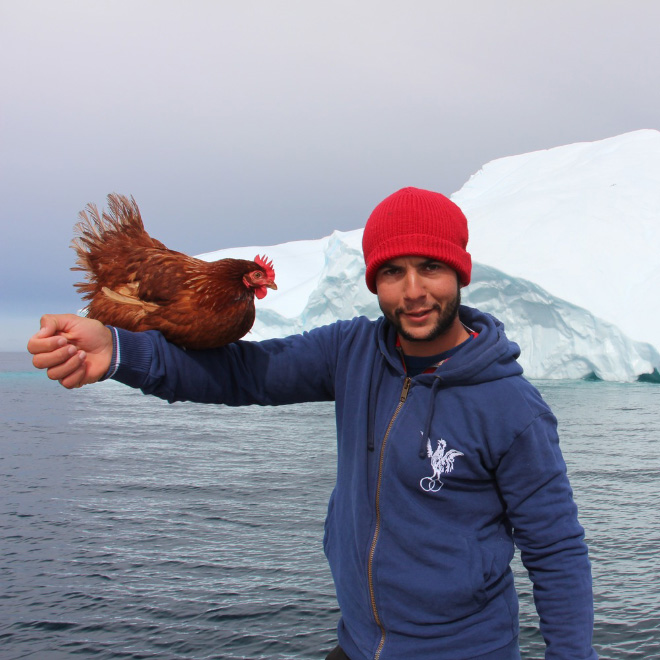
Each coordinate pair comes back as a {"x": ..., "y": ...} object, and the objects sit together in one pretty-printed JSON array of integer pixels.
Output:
[{"x": 49, "y": 326}]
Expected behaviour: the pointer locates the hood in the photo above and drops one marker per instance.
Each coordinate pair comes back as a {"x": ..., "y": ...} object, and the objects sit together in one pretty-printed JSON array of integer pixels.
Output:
[{"x": 488, "y": 356}]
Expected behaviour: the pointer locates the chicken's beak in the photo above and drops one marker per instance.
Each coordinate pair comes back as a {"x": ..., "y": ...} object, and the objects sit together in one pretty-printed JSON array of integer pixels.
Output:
[{"x": 260, "y": 291}]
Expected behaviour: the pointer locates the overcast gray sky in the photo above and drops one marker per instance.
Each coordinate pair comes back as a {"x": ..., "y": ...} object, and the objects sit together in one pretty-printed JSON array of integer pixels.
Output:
[{"x": 263, "y": 121}]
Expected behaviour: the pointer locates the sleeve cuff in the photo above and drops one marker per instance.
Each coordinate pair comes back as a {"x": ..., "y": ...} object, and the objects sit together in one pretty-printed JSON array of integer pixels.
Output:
[
  {"x": 132, "y": 354},
  {"x": 114, "y": 362}
]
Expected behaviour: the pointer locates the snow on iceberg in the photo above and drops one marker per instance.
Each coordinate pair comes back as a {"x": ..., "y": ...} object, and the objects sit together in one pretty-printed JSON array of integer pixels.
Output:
[
  {"x": 322, "y": 281},
  {"x": 582, "y": 221}
]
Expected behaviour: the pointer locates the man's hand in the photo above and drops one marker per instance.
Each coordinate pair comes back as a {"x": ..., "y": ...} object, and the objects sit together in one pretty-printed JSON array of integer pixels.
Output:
[{"x": 75, "y": 350}]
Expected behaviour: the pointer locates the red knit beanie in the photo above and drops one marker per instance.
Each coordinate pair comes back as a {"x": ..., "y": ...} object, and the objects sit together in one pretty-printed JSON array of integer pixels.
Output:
[{"x": 415, "y": 222}]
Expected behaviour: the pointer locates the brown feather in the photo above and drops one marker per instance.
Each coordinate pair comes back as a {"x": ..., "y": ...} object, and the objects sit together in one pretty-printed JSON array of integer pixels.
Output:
[{"x": 134, "y": 281}]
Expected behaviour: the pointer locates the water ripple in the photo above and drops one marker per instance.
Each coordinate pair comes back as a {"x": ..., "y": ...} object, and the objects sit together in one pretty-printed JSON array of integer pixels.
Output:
[{"x": 135, "y": 529}]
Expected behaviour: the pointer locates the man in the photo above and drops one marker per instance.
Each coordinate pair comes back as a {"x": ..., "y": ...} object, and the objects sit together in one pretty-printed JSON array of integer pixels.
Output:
[{"x": 446, "y": 454}]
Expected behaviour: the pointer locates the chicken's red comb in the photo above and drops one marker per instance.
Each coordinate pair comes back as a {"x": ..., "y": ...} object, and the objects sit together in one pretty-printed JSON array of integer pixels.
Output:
[{"x": 266, "y": 265}]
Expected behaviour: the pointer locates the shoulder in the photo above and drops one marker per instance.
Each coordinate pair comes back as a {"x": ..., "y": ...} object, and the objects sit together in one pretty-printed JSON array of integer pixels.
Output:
[
  {"x": 514, "y": 421},
  {"x": 524, "y": 396},
  {"x": 512, "y": 408}
]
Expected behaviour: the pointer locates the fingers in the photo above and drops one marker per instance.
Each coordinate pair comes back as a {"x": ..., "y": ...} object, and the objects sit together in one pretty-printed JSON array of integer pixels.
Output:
[
  {"x": 37, "y": 345},
  {"x": 70, "y": 370},
  {"x": 76, "y": 378},
  {"x": 53, "y": 352}
]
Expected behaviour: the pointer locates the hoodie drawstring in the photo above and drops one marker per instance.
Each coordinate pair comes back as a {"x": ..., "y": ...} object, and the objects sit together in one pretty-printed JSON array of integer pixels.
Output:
[
  {"x": 423, "y": 453},
  {"x": 376, "y": 379},
  {"x": 377, "y": 374}
]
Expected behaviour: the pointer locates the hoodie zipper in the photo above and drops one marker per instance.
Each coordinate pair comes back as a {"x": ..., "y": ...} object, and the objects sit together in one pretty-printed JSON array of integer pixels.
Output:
[{"x": 374, "y": 541}]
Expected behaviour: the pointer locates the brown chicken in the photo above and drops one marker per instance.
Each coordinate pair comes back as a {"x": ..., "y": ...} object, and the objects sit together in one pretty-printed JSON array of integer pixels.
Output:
[{"x": 135, "y": 282}]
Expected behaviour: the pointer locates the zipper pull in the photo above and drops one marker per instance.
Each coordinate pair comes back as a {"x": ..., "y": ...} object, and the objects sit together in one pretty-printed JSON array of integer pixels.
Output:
[{"x": 406, "y": 388}]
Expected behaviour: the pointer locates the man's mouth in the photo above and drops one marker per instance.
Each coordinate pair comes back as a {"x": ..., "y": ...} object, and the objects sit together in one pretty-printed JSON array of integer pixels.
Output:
[{"x": 417, "y": 315}]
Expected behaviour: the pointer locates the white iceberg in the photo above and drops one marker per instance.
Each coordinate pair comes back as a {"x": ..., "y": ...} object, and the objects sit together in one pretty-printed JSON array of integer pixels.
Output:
[{"x": 563, "y": 231}]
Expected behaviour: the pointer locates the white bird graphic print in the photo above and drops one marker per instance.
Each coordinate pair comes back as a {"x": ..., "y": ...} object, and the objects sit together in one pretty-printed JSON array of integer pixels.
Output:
[{"x": 442, "y": 463}]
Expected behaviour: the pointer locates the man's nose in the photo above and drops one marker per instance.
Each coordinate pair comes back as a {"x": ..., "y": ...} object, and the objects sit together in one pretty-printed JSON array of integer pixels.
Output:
[{"x": 413, "y": 288}]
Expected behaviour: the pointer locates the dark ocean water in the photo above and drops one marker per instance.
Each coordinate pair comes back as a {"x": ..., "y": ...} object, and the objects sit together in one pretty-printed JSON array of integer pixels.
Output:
[{"x": 136, "y": 529}]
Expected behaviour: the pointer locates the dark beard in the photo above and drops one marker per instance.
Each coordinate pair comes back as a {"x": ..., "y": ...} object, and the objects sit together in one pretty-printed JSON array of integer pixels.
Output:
[{"x": 445, "y": 320}]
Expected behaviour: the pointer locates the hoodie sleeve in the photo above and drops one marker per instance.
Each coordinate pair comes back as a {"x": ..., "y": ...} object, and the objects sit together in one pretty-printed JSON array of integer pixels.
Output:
[
  {"x": 539, "y": 500},
  {"x": 292, "y": 370}
]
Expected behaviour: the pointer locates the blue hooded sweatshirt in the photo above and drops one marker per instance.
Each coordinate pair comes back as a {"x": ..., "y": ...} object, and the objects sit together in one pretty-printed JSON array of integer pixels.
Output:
[{"x": 437, "y": 476}]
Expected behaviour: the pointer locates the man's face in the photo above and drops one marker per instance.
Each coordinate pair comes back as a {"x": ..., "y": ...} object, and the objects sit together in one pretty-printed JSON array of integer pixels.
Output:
[{"x": 420, "y": 297}]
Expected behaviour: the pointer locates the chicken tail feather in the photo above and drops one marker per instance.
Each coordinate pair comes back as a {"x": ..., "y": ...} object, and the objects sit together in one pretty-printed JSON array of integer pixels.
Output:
[
  {"x": 98, "y": 234},
  {"x": 95, "y": 228}
]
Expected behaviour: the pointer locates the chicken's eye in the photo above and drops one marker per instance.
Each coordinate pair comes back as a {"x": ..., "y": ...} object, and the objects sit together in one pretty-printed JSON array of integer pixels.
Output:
[{"x": 258, "y": 274}]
